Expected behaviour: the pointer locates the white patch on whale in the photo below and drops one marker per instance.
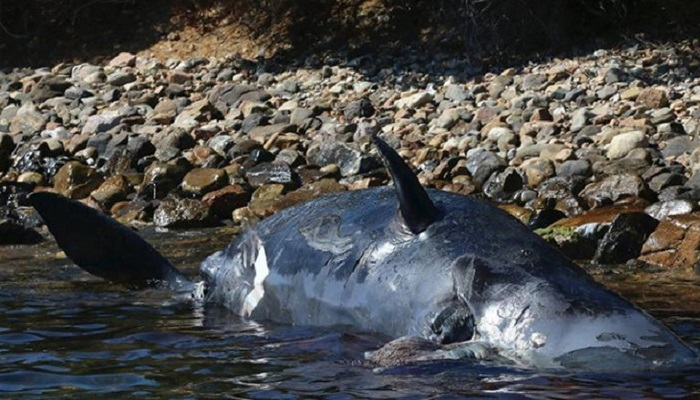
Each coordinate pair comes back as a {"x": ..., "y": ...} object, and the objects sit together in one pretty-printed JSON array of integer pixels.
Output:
[{"x": 261, "y": 272}]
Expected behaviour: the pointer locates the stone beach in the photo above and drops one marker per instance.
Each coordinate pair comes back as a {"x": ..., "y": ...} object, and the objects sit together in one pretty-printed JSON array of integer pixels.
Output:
[{"x": 599, "y": 153}]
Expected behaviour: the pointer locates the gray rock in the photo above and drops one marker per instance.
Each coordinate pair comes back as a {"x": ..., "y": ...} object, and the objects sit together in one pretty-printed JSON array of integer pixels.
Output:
[
  {"x": 575, "y": 168},
  {"x": 271, "y": 172},
  {"x": 176, "y": 212},
  {"x": 613, "y": 188},
  {"x": 623, "y": 143},
  {"x": 664, "y": 209},
  {"x": 482, "y": 163},
  {"x": 101, "y": 122},
  {"x": 457, "y": 93},
  {"x": 347, "y": 157},
  {"x": 415, "y": 100}
]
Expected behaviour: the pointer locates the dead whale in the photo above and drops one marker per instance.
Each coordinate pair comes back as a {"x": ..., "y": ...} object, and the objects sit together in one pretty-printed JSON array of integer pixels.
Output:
[{"x": 446, "y": 268}]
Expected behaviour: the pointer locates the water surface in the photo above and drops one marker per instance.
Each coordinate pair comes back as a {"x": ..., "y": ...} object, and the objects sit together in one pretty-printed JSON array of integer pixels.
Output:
[{"x": 66, "y": 334}]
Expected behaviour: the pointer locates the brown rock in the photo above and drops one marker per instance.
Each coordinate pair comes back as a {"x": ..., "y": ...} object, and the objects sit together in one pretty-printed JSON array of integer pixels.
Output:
[
  {"x": 112, "y": 190},
  {"x": 76, "y": 180},
  {"x": 652, "y": 98},
  {"x": 204, "y": 180},
  {"x": 675, "y": 243},
  {"x": 222, "y": 202}
]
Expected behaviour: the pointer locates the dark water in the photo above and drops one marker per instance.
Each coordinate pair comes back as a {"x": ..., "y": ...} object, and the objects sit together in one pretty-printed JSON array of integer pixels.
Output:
[{"x": 65, "y": 334}]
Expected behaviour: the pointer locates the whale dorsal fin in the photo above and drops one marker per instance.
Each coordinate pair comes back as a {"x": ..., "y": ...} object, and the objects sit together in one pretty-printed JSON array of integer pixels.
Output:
[
  {"x": 103, "y": 246},
  {"x": 415, "y": 207}
]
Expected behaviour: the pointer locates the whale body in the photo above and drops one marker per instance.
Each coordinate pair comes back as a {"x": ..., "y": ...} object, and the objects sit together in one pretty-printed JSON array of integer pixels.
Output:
[{"x": 447, "y": 268}]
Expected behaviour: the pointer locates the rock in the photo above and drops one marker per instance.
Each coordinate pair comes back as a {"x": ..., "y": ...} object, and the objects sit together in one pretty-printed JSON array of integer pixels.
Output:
[
  {"x": 200, "y": 181},
  {"x": 89, "y": 74},
  {"x": 669, "y": 208},
  {"x": 121, "y": 78},
  {"x": 613, "y": 188},
  {"x": 114, "y": 189},
  {"x": 482, "y": 164},
  {"x": 264, "y": 199},
  {"x": 675, "y": 243},
  {"x": 123, "y": 59},
  {"x": 28, "y": 120},
  {"x": 175, "y": 212},
  {"x": 502, "y": 186},
  {"x": 414, "y": 101},
  {"x": 537, "y": 170},
  {"x": 631, "y": 94},
  {"x": 271, "y": 172},
  {"x": 625, "y": 238},
  {"x": 76, "y": 180},
  {"x": 244, "y": 217},
  {"x": 224, "y": 201},
  {"x": 575, "y": 168},
  {"x": 652, "y": 98},
  {"x": 262, "y": 133},
  {"x": 160, "y": 178},
  {"x": 361, "y": 108},
  {"x": 456, "y": 93},
  {"x": 350, "y": 160},
  {"x": 101, "y": 122},
  {"x": 623, "y": 143}
]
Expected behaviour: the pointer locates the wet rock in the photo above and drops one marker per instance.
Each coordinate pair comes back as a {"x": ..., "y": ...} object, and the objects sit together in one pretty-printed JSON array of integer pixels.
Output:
[
  {"x": 675, "y": 243},
  {"x": 669, "y": 208},
  {"x": 349, "y": 159},
  {"x": 224, "y": 201},
  {"x": 160, "y": 178},
  {"x": 271, "y": 172},
  {"x": 114, "y": 189},
  {"x": 200, "y": 181},
  {"x": 244, "y": 217},
  {"x": 263, "y": 202},
  {"x": 177, "y": 213},
  {"x": 545, "y": 218},
  {"x": 76, "y": 180},
  {"x": 625, "y": 238}
]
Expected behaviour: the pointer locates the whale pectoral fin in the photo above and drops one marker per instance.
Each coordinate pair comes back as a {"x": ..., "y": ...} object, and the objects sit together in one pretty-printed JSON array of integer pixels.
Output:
[
  {"x": 454, "y": 324},
  {"x": 417, "y": 211},
  {"x": 104, "y": 247}
]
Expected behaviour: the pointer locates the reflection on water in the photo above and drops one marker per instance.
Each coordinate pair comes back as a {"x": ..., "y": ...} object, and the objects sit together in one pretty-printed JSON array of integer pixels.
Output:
[{"x": 65, "y": 334}]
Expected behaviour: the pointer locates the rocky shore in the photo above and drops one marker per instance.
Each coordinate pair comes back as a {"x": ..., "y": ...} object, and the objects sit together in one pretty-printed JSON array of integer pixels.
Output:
[{"x": 599, "y": 153}]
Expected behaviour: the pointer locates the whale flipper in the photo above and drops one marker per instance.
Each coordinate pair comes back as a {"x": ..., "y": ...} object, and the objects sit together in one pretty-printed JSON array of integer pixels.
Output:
[
  {"x": 104, "y": 247},
  {"x": 416, "y": 208}
]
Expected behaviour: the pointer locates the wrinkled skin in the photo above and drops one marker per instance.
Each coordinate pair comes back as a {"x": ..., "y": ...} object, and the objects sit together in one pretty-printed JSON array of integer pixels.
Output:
[{"x": 347, "y": 259}]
